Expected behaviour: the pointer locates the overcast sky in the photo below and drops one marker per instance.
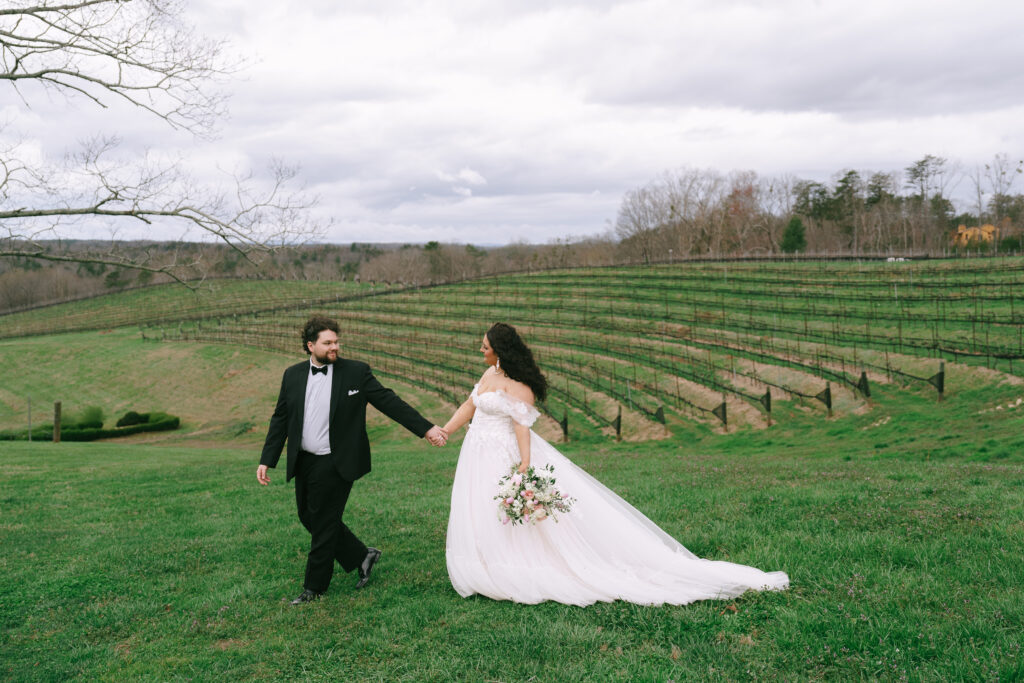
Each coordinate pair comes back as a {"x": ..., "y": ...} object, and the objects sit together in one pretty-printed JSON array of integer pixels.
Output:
[{"x": 492, "y": 121}]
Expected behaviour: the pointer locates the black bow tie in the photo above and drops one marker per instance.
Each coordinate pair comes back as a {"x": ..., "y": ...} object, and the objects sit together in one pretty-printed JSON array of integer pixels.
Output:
[{"x": 315, "y": 369}]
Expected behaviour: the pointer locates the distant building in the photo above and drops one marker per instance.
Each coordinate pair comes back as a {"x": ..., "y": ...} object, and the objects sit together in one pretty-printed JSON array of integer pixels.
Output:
[{"x": 984, "y": 234}]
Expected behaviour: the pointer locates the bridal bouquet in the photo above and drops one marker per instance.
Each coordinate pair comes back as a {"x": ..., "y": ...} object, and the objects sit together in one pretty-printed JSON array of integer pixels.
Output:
[{"x": 530, "y": 497}]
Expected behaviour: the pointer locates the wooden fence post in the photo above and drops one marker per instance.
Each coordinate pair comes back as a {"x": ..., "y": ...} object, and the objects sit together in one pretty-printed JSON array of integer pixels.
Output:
[{"x": 56, "y": 422}]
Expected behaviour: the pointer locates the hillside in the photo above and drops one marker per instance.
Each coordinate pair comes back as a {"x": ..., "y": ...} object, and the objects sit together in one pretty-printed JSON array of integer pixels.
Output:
[
  {"x": 898, "y": 519},
  {"x": 691, "y": 347},
  {"x": 224, "y": 395},
  {"x": 687, "y": 349}
]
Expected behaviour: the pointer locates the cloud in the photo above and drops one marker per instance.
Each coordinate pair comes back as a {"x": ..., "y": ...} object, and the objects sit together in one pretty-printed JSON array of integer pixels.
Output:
[
  {"x": 490, "y": 122},
  {"x": 466, "y": 175}
]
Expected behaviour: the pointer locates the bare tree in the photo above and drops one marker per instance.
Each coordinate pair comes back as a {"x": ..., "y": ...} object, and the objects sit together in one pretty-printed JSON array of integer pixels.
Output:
[
  {"x": 642, "y": 215},
  {"x": 977, "y": 176},
  {"x": 777, "y": 196},
  {"x": 744, "y": 219},
  {"x": 693, "y": 198},
  {"x": 1002, "y": 173},
  {"x": 138, "y": 52},
  {"x": 406, "y": 266}
]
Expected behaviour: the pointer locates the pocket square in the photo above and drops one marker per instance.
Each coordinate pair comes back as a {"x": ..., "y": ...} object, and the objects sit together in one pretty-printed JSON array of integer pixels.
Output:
[{"x": 353, "y": 392}]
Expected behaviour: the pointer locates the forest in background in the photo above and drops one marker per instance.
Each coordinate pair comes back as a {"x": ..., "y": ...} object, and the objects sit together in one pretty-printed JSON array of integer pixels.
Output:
[
  {"x": 702, "y": 212},
  {"x": 682, "y": 214}
]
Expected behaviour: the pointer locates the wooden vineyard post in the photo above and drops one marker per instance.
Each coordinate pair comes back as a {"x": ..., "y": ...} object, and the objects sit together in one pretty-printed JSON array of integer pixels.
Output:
[
  {"x": 826, "y": 397},
  {"x": 766, "y": 401},
  {"x": 938, "y": 380},
  {"x": 719, "y": 411},
  {"x": 56, "y": 422},
  {"x": 862, "y": 384},
  {"x": 659, "y": 416}
]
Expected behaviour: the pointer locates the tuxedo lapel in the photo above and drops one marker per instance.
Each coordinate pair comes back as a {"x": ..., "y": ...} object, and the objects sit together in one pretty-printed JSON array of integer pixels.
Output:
[
  {"x": 335, "y": 388},
  {"x": 300, "y": 396}
]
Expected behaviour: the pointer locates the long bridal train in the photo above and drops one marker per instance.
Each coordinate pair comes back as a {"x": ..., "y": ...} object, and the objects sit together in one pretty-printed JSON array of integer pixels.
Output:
[{"x": 603, "y": 550}]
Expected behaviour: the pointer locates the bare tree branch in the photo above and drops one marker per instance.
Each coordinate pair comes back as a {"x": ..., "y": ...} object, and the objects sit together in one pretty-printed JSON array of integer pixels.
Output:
[
  {"x": 252, "y": 217},
  {"x": 141, "y": 52},
  {"x": 135, "y": 50}
]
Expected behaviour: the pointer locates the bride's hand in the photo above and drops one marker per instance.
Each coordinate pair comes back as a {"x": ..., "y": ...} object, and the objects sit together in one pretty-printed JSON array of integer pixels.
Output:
[{"x": 523, "y": 467}]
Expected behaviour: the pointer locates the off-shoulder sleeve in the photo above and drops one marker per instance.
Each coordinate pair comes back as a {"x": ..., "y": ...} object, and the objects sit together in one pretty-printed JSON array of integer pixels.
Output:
[{"x": 522, "y": 412}]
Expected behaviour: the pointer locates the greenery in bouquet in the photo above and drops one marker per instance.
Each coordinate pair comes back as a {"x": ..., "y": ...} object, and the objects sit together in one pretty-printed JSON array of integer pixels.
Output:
[{"x": 530, "y": 497}]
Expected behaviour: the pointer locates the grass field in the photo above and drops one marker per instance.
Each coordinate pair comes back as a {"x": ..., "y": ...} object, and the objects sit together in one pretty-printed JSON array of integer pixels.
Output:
[
  {"x": 165, "y": 303},
  {"x": 900, "y": 522},
  {"x": 160, "y": 563}
]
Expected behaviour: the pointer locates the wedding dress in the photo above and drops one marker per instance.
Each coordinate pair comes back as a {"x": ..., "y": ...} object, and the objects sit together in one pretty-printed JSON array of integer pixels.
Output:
[{"x": 602, "y": 550}]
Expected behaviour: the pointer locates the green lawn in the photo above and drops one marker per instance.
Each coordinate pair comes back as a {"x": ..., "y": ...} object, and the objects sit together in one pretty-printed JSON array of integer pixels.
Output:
[
  {"x": 900, "y": 521},
  {"x": 128, "y": 562}
]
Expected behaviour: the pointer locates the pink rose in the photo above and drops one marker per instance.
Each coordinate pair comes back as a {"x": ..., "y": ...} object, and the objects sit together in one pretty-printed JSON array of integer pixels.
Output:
[{"x": 527, "y": 494}]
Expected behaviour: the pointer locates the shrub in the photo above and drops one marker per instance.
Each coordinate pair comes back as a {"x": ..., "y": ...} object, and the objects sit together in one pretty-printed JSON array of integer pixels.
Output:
[
  {"x": 156, "y": 422},
  {"x": 1012, "y": 243},
  {"x": 133, "y": 418},
  {"x": 91, "y": 417}
]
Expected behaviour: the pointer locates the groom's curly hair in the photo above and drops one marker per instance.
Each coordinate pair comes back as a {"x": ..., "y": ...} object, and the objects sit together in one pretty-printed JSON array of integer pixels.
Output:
[
  {"x": 516, "y": 358},
  {"x": 314, "y": 326}
]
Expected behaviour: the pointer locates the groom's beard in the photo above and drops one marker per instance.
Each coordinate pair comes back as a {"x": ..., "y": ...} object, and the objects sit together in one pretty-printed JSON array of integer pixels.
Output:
[{"x": 328, "y": 359}]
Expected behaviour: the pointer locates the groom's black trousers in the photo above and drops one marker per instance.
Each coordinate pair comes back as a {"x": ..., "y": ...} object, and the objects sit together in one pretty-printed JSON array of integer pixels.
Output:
[{"x": 321, "y": 494}]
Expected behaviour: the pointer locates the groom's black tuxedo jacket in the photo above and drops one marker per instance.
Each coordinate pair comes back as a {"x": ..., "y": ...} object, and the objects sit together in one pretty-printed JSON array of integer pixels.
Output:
[{"x": 352, "y": 387}]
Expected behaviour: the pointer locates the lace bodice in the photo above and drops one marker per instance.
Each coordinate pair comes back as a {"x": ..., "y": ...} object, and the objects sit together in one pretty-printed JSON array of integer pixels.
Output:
[{"x": 499, "y": 409}]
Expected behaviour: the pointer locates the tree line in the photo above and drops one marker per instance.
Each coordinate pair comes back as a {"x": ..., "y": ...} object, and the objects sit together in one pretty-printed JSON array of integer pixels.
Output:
[
  {"x": 28, "y": 282},
  {"x": 704, "y": 213}
]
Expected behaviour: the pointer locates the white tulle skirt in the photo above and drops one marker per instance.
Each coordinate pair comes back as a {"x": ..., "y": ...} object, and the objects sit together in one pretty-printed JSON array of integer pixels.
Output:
[{"x": 603, "y": 550}]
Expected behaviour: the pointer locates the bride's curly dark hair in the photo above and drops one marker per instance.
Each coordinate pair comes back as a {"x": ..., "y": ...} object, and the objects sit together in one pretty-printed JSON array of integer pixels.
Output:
[{"x": 516, "y": 359}]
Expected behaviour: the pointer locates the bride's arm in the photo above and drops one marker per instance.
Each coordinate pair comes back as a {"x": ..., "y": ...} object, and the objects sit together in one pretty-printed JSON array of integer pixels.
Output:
[
  {"x": 523, "y": 439},
  {"x": 464, "y": 413},
  {"x": 522, "y": 393},
  {"x": 461, "y": 416}
]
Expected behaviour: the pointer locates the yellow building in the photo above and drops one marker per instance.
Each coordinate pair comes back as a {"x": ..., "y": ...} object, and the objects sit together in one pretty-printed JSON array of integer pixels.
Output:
[{"x": 975, "y": 235}]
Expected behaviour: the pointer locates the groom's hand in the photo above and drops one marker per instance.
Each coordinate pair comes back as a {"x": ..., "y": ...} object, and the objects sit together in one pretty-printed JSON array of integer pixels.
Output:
[
  {"x": 436, "y": 436},
  {"x": 261, "y": 475}
]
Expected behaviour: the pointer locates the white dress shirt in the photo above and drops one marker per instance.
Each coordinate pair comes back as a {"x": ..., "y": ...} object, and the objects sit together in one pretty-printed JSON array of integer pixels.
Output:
[{"x": 316, "y": 429}]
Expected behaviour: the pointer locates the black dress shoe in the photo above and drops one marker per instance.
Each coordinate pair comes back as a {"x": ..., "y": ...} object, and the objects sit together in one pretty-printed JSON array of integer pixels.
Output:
[
  {"x": 372, "y": 555},
  {"x": 307, "y": 596}
]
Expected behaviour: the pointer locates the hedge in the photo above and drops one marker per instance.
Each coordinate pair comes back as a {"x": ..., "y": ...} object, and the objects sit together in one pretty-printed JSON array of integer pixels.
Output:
[{"x": 158, "y": 422}]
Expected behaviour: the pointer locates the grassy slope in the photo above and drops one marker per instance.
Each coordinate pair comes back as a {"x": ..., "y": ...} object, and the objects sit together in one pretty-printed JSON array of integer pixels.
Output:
[
  {"x": 901, "y": 529},
  {"x": 223, "y": 394},
  {"x": 674, "y": 336},
  {"x": 172, "y": 302},
  {"x": 156, "y": 563},
  {"x": 153, "y": 563}
]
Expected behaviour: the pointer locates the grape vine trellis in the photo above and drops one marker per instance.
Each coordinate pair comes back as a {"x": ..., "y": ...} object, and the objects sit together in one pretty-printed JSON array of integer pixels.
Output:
[{"x": 682, "y": 340}]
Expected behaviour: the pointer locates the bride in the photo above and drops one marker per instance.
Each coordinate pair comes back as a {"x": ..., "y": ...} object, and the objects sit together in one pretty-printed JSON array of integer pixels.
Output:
[{"x": 602, "y": 550}]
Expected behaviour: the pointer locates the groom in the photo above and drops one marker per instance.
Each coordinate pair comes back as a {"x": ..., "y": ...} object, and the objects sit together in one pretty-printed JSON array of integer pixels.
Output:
[{"x": 321, "y": 413}]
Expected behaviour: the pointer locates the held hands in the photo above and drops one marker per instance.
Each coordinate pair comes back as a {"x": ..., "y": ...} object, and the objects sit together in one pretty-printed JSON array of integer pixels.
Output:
[{"x": 436, "y": 436}]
